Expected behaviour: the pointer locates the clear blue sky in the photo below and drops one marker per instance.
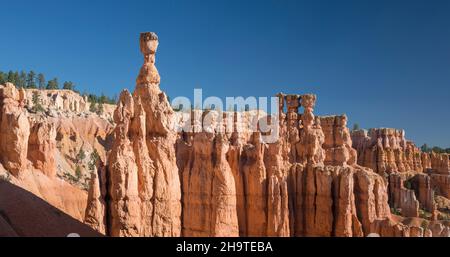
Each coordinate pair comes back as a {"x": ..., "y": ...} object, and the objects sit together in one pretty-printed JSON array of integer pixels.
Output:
[{"x": 384, "y": 63}]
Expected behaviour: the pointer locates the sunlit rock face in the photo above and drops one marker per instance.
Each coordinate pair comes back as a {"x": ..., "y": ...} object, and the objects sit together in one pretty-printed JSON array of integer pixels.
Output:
[
  {"x": 313, "y": 181},
  {"x": 27, "y": 154},
  {"x": 143, "y": 178},
  {"x": 134, "y": 172},
  {"x": 415, "y": 178}
]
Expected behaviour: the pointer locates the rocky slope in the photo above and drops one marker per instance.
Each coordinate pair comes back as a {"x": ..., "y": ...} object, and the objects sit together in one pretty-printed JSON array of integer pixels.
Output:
[
  {"x": 317, "y": 179},
  {"x": 416, "y": 179},
  {"x": 38, "y": 150}
]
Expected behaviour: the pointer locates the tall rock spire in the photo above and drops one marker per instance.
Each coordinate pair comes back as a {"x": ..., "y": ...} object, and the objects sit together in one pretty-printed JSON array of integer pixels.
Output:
[{"x": 144, "y": 185}]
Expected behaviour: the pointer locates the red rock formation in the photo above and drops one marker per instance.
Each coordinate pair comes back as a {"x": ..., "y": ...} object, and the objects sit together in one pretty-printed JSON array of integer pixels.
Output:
[
  {"x": 14, "y": 129},
  {"x": 278, "y": 198},
  {"x": 42, "y": 146},
  {"x": 421, "y": 183},
  {"x": 310, "y": 182},
  {"x": 58, "y": 101},
  {"x": 27, "y": 152},
  {"x": 440, "y": 163},
  {"x": 324, "y": 202},
  {"x": 402, "y": 197},
  {"x": 442, "y": 184},
  {"x": 144, "y": 184},
  {"x": 209, "y": 191},
  {"x": 386, "y": 150},
  {"x": 95, "y": 215},
  {"x": 338, "y": 143}
]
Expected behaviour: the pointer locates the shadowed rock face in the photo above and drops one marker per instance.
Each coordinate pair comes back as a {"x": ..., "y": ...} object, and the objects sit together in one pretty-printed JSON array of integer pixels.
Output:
[
  {"x": 209, "y": 190},
  {"x": 24, "y": 214},
  {"x": 39, "y": 149}
]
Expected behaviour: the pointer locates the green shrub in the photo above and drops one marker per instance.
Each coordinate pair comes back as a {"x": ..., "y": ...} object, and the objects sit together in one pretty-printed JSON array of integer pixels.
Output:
[
  {"x": 78, "y": 173},
  {"x": 396, "y": 211}
]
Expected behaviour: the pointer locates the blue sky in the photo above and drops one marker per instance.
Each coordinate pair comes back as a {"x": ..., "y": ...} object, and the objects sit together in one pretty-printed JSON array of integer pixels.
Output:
[{"x": 383, "y": 63}]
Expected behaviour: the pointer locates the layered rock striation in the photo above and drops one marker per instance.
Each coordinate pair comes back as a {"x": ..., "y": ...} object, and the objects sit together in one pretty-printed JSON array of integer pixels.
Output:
[{"x": 416, "y": 179}]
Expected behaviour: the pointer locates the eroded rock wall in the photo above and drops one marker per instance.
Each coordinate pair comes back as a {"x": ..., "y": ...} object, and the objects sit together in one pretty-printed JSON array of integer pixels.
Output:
[{"x": 143, "y": 179}]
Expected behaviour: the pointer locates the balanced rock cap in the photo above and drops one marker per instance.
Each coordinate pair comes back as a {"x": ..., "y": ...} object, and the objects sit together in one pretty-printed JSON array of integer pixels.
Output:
[
  {"x": 149, "y": 36},
  {"x": 148, "y": 43}
]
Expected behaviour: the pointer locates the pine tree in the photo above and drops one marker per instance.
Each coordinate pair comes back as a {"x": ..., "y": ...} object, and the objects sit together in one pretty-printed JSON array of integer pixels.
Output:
[
  {"x": 15, "y": 80},
  {"x": 78, "y": 173},
  {"x": 53, "y": 84},
  {"x": 31, "y": 77},
  {"x": 103, "y": 99},
  {"x": 437, "y": 149},
  {"x": 22, "y": 79},
  {"x": 93, "y": 160},
  {"x": 114, "y": 99},
  {"x": 424, "y": 148},
  {"x": 81, "y": 155},
  {"x": 41, "y": 81},
  {"x": 3, "y": 78},
  {"x": 10, "y": 77},
  {"x": 68, "y": 85},
  {"x": 100, "y": 108},
  {"x": 36, "y": 99},
  {"x": 92, "y": 106}
]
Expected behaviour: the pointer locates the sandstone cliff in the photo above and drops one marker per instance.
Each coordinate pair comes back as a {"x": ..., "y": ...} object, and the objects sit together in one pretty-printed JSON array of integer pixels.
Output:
[
  {"x": 27, "y": 150},
  {"x": 39, "y": 149},
  {"x": 57, "y": 101}
]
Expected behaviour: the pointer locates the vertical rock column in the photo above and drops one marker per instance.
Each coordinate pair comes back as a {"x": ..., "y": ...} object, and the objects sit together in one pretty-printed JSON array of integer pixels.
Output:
[
  {"x": 124, "y": 202},
  {"x": 14, "y": 129},
  {"x": 402, "y": 197},
  {"x": 160, "y": 138},
  {"x": 42, "y": 147},
  {"x": 255, "y": 187},
  {"x": 338, "y": 143},
  {"x": 209, "y": 192},
  {"x": 309, "y": 148},
  {"x": 95, "y": 210},
  {"x": 277, "y": 193},
  {"x": 144, "y": 184}
]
